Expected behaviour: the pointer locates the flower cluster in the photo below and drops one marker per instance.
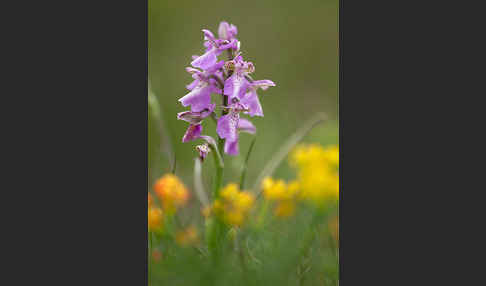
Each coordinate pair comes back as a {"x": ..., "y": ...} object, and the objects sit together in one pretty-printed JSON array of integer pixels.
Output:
[
  {"x": 282, "y": 194},
  {"x": 233, "y": 205},
  {"x": 171, "y": 192},
  {"x": 317, "y": 179},
  {"x": 231, "y": 79},
  {"x": 318, "y": 172}
]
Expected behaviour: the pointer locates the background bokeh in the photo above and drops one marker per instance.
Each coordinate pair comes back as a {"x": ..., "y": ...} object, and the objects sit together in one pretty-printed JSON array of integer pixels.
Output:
[{"x": 293, "y": 43}]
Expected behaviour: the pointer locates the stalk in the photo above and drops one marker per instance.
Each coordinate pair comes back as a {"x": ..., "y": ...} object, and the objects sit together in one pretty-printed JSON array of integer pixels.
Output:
[{"x": 216, "y": 228}]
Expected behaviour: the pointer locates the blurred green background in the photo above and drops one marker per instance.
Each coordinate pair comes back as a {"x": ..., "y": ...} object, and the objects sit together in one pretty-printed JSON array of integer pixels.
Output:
[{"x": 293, "y": 43}]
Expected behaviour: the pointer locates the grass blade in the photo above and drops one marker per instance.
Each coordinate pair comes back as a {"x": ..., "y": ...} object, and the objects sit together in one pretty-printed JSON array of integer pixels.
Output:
[
  {"x": 245, "y": 166},
  {"x": 155, "y": 113},
  {"x": 280, "y": 155}
]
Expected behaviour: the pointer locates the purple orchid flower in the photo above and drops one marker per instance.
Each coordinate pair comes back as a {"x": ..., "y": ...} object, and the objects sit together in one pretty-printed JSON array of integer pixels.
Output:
[
  {"x": 236, "y": 85},
  {"x": 199, "y": 97},
  {"x": 206, "y": 75},
  {"x": 250, "y": 99},
  {"x": 229, "y": 125},
  {"x": 193, "y": 132},
  {"x": 227, "y": 31},
  {"x": 203, "y": 151},
  {"x": 195, "y": 119},
  {"x": 229, "y": 78},
  {"x": 214, "y": 47}
]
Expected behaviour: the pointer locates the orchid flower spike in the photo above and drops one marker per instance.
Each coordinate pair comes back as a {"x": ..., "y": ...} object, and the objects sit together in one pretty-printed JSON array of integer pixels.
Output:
[{"x": 228, "y": 78}]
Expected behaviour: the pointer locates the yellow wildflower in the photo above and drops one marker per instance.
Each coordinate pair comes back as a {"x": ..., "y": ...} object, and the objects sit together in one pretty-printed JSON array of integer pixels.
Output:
[
  {"x": 283, "y": 194},
  {"x": 233, "y": 205},
  {"x": 172, "y": 192},
  {"x": 230, "y": 192},
  {"x": 154, "y": 219},
  {"x": 318, "y": 185},
  {"x": 331, "y": 155},
  {"x": 318, "y": 177},
  {"x": 306, "y": 156},
  {"x": 233, "y": 217},
  {"x": 244, "y": 201},
  {"x": 273, "y": 190}
]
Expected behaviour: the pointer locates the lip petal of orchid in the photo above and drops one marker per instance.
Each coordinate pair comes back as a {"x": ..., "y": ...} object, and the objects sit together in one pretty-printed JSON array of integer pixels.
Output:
[
  {"x": 192, "y": 132},
  {"x": 231, "y": 147},
  {"x": 227, "y": 126}
]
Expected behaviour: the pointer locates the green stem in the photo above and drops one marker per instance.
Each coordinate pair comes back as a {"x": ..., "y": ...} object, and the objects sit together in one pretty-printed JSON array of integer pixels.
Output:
[{"x": 215, "y": 227}]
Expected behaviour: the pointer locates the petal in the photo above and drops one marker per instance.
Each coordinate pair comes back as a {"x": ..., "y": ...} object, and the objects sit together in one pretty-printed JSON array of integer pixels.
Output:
[
  {"x": 205, "y": 61},
  {"x": 192, "y": 70},
  {"x": 196, "y": 117},
  {"x": 231, "y": 147},
  {"x": 203, "y": 151},
  {"x": 235, "y": 86},
  {"x": 209, "y": 139},
  {"x": 189, "y": 116},
  {"x": 231, "y": 45},
  {"x": 208, "y": 35},
  {"x": 193, "y": 84},
  {"x": 233, "y": 31},
  {"x": 192, "y": 132},
  {"x": 228, "y": 85},
  {"x": 199, "y": 98},
  {"x": 227, "y": 31},
  {"x": 208, "y": 45},
  {"x": 213, "y": 68},
  {"x": 226, "y": 127},
  {"x": 245, "y": 125},
  {"x": 251, "y": 101},
  {"x": 263, "y": 84},
  {"x": 223, "y": 30},
  {"x": 214, "y": 88}
]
